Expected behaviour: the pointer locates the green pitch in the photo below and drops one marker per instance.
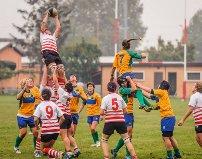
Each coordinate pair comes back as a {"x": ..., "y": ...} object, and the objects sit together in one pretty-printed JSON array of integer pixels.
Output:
[{"x": 146, "y": 138}]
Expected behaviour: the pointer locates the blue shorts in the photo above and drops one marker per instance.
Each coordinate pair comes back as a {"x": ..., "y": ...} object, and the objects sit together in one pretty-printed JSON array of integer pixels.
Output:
[
  {"x": 129, "y": 119},
  {"x": 90, "y": 119},
  {"x": 131, "y": 74},
  {"x": 168, "y": 124},
  {"x": 23, "y": 122},
  {"x": 75, "y": 118}
]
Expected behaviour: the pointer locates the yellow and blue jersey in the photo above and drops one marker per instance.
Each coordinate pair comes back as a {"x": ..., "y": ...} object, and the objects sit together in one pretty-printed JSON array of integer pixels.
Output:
[
  {"x": 74, "y": 102},
  {"x": 27, "y": 103},
  {"x": 123, "y": 60},
  {"x": 164, "y": 102},
  {"x": 93, "y": 103}
]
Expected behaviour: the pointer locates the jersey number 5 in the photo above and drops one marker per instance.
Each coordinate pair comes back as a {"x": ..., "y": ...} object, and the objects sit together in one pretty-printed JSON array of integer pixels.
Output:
[
  {"x": 49, "y": 112},
  {"x": 115, "y": 105}
]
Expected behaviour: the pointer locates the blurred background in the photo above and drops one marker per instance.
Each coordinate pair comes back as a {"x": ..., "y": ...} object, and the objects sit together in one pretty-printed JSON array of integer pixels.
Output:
[{"x": 92, "y": 31}]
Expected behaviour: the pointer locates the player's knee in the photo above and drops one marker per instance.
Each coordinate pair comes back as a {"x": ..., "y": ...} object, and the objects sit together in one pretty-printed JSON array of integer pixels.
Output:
[
  {"x": 130, "y": 132},
  {"x": 35, "y": 133},
  {"x": 92, "y": 129},
  {"x": 22, "y": 135},
  {"x": 199, "y": 141},
  {"x": 126, "y": 140},
  {"x": 104, "y": 140}
]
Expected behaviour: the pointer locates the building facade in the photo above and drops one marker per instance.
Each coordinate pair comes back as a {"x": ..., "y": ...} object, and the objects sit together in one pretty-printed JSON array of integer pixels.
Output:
[
  {"x": 23, "y": 70},
  {"x": 152, "y": 73}
]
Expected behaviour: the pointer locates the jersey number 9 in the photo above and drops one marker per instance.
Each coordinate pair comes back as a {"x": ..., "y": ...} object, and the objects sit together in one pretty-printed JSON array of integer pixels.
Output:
[{"x": 49, "y": 112}]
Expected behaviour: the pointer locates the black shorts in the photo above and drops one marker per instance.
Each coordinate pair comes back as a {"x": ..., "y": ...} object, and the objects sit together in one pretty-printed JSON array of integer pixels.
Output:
[
  {"x": 49, "y": 137},
  {"x": 198, "y": 129},
  {"x": 67, "y": 123},
  {"x": 51, "y": 57},
  {"x": 109, "y": 128},
  {"x": 167, "y": 133}
]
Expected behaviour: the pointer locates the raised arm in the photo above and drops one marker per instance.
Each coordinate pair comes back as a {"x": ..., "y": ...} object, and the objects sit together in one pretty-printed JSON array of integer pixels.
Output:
[
  {"x": 112, "y": 74},
  {"x": 57, "y": 26},
  {"x": 55, "y": 79},
  {"x": 147, "y": 89},
  {"x": 132, "y": 83},
  {"x": 44, "y": 22},
  {"x": 24, "y": 89},
  {"x": 44, "y": 77},
  {"x": 20, "y": 94},
  {"x": 136, "y": 55}
]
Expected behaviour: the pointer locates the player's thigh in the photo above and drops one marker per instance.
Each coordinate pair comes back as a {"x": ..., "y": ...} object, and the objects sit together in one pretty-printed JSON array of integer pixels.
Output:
[
  {"x": 63, "y": 133},
  {"x": 34, "y": 131},
  {"x": 130, "y": 130},
  {"x": 105, "y": 136},
  {"x": 23, "y": 131},
  {"x": 94, "y": 125},
  {"x": 199, "y": 138},
  {"x": 124, "y": 136}
]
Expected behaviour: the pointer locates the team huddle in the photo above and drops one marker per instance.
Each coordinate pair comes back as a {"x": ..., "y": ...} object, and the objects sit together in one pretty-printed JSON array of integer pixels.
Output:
[{"x": 53, "y": 109}]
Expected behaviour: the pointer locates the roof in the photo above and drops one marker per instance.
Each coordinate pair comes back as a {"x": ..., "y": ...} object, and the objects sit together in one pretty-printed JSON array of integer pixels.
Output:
[
  {"x": 108, "y": 60},
  {"x": 4, "y": 45}
]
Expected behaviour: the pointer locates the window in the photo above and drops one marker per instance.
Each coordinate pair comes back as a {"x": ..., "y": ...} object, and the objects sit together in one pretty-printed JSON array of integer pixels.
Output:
[
  {"x": 192, "y": 76},
  {"x": 139, "y": 76}
]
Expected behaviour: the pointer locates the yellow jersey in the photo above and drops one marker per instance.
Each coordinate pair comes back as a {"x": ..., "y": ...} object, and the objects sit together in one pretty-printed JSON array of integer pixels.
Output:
[
  {"x": 123, "y": 60},
  {"x": 93, "y": 103},
  {"x": 74, "y": 102},
  {"x": 37, "y": 93},
  {"x": 164, "y": 103},
  {"x": 129, "y": 107},
  {"x": 27, "y": 103}
]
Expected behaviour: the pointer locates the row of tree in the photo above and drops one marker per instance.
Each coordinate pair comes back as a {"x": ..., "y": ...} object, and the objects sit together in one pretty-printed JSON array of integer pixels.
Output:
[{"x": 81, "y": 56}]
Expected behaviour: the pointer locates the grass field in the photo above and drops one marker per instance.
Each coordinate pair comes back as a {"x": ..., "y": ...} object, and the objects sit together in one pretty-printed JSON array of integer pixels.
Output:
[{"x": 147, "y": 136}]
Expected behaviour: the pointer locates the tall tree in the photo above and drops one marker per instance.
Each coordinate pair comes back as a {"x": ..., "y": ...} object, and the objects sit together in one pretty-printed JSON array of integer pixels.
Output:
[
  {"x": 7, "y": 69},
  {"x": 195, "y": 36},
  {"x": 166, "y": 51},
  {"x": 30, "y": 43},
  {"x": 81, "y": 59},
  {"x": 97, "y": 24}
]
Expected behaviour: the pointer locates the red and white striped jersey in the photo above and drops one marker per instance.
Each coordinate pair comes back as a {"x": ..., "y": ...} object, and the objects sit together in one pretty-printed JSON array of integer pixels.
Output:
[
  {"x": 61, "y": 82},
  {"x": 113, "y": 104},
  {"x": 196, "y": 102},
  {"x": 48, "y": 112},
  {"x": 48, "y": 42},
  {"x": 63, "y": 101},
  {"x": 54, "y": 94}
]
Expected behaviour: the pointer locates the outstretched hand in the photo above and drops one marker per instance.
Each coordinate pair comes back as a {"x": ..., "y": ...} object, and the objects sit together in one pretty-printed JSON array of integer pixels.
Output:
[{"x": 180, "y": 123}]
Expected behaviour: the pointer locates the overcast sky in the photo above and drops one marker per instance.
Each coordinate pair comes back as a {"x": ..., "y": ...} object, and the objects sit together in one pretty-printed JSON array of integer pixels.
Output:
[{"x": 162, "y": 17}]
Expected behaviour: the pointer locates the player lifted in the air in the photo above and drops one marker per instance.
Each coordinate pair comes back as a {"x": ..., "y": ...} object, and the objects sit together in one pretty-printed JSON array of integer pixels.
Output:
[
  {"x": 48, "y": 40},
  {"x": 123, "y": 64},
  {"x": 114, "y": 108}
]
